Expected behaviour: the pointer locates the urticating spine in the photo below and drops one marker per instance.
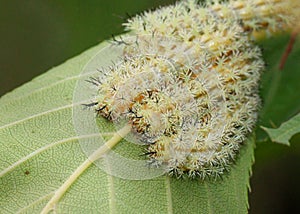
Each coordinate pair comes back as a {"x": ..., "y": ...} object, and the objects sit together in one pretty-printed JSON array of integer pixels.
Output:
[{"x": 188, "y": 82}]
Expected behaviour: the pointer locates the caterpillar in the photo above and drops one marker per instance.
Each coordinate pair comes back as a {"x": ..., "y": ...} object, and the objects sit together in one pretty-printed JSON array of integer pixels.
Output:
[
  {"x": 185, "y": 84},
  {"x": 188, "y": 81}
]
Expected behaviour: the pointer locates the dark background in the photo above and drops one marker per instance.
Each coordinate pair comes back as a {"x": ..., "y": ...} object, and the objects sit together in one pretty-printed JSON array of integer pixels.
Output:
[{"x": 37, "y": 35}]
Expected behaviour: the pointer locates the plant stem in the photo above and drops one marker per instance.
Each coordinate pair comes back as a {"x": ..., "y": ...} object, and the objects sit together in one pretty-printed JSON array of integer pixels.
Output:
[
  {"x": 289, "y": 48},
  {"x": 118, "y": 136}
]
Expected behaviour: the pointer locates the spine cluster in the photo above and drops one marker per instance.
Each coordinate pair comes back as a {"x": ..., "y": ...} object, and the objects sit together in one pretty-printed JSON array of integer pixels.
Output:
[
  {"x": 257, "y": 17},
  {"x": 188, "y": 81}
]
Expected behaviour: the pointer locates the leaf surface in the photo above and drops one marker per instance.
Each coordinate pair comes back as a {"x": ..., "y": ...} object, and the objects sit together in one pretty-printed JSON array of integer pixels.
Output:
[
  {"x": 286, "y": 131},
  {"x": 40, "y": 150},
  {"x": 279, "y": 88}
]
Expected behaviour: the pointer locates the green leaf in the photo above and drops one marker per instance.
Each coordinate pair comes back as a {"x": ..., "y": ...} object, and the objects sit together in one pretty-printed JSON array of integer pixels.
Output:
[
  {"x": 40, "y": 150},
  {"x": 285, "y": 132},
  {"x": 279, "y": 88}
]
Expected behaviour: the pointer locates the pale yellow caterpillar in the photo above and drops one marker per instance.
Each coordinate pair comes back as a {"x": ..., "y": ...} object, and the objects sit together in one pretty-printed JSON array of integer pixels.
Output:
[
  {"x": 188, "y": 82},
  {"x": 185, "y": 82},
  {"x": 257, "y": 17}
]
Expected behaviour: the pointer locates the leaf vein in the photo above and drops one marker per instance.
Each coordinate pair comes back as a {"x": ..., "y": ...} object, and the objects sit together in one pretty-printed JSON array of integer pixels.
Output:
[{"x": 42, "y": 149}]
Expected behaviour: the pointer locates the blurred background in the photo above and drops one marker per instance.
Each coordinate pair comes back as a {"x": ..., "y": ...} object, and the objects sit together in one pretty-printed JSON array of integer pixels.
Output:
[{"x": 38, "y": 35}]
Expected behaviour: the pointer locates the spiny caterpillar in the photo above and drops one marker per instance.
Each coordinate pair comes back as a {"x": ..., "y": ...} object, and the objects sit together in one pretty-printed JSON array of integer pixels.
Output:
[{"x": 188, "y": 81}]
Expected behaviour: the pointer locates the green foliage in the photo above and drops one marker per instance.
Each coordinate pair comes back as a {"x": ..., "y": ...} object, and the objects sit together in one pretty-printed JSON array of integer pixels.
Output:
[
  {"x": 40, "y": 150},
  {"x": 279, "y": 88},
  {"x": 286, "y": 130}
]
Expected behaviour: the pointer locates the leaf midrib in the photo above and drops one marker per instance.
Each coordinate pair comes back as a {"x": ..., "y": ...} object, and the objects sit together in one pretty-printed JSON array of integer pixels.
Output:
[{"x": 169, "y": 195}]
